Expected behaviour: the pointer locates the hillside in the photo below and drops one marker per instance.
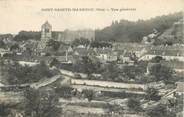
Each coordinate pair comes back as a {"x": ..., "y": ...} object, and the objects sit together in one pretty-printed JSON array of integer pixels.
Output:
[
  {"x": 129, "y": 31},
  {"x": 172, "y": 35}
]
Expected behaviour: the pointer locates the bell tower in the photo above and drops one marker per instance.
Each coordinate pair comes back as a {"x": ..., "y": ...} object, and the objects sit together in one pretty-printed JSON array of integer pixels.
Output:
[
  {"x": 46, "y": 31},
  {"x": 46, "y": 34}
]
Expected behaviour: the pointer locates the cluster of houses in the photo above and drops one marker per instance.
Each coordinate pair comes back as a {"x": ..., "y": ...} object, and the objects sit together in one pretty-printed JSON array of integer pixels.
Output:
[
  {"x": 105, "y": 54},
  {"x": 166, "y": 54},
  {"x": 121, "y": 52}
]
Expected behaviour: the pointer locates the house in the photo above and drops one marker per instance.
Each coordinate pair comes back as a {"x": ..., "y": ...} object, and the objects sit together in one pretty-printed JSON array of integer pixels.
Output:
[
  {"x": 24, "y": 63},
  {"x": 68, "y": 36},
  {"x": 80, "y": 53},
  {"x": 125, "y": 57},
  {"x": 138, "y": 49},
  {"x": 106, "y": 54},
  {"x": 29, "y": 44},
  {"x": 156, "y": 85},
  {"x": 180, "y": 88},
  {"x": 70, "y": 49}
]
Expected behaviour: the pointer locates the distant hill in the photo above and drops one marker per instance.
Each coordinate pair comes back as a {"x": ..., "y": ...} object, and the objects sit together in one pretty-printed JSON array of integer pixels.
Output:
[{"x": 129, "y": 31}]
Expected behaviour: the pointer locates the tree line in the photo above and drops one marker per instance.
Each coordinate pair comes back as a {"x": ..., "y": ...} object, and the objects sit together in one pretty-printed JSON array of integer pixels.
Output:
[{"x": 129, "y": 31}]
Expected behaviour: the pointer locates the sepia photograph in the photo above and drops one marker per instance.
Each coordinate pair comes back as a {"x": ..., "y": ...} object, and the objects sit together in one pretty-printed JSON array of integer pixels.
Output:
[{"x": 91, "y": 58}]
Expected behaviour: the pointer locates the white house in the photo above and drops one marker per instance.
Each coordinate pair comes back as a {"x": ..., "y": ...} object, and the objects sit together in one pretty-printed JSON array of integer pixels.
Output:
[
  {"x": 3, "y": 51},
  {"x": 106, "y": 55}
]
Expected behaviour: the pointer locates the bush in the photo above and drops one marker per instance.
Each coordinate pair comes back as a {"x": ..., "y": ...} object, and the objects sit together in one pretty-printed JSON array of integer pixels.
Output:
[
  {"x": 160, "y": 111},
  {"x": 152, "y": 94},
  {"x": 64, "y": 91},
  {"x": 89, "y": 94},
  {"x": 18, "y": 74},
  {"x": 41, "y": 103},
  {"x": 134, "y": 104}
]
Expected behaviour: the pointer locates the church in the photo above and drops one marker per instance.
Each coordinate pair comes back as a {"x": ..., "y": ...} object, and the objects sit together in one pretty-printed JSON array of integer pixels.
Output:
[{"x": 66, "y": 36}]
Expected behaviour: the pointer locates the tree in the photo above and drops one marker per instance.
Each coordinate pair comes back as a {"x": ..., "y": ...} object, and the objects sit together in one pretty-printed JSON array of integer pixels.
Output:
[
  {"x": 54, "y": 62},
  {"x": 41, "y": 103},
  {"x": 152, "y": 94},
  {"x": 18, "y": 74},
  {"x": 128, "y": 31},
  {"x": 86, "y": 65},
  {"x": 157, "y": 59},
  {"x": 89, "y": 94},
  {"x": 131, "y": 72},
  {"x": 4, "y": 110},
  {"x": 26, "y": 35},
  {"x": 42, "y": 70},
  {"x": 98, "y": 44},
  {"x": 53, "y": 44},
  {"x": 64, "y": 91},
  {"x": 162, "y": 73},
  {"x": 134, "y": 104},
  {"x": 81, "y": 41},
  {"x": 2, "y": 44},
  {"x": 160, "y": 111},
  {"x": 14, "y": 47},
  {"x": 111, "y": 72}
]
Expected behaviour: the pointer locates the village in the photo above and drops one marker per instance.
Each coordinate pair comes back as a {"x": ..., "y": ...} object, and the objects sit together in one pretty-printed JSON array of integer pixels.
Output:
[{"x": 71, "y": 74}]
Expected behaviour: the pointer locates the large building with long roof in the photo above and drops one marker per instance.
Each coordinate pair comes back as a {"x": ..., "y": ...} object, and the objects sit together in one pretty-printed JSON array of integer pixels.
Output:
[{"x": 68, "y": 35}]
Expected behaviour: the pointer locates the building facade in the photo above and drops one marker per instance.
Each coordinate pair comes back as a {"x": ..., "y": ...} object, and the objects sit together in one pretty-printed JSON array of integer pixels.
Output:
[{"x": 68, "y": 36}]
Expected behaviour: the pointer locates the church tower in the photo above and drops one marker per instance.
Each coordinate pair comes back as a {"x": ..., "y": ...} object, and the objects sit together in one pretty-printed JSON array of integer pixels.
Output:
[{"x": 46, "y": 34}]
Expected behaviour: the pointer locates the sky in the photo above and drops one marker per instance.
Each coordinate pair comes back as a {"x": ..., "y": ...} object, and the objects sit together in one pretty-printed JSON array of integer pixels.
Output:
[{"x": 17, "y": 15}]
